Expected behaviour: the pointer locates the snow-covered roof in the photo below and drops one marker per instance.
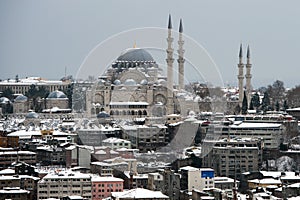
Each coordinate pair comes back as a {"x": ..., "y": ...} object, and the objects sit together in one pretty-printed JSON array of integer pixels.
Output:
[
  {"x": 106, "y": 179},
  {"x": 140, "y": 193},
  {"x": 17, "y": 152},
  {"x": 129, "y": 103},
  {"x": 115, "y": 140},
  {"x": 7, "y": 171},
  {"x": 189, "y": 168},
  {"x": 254, "y": 125},
  {"x": 66, "y": 174},
  {"x": 24, "y": 133},
  {"x": 265, "y": 181},
  {"x": 13, "y": 190}
]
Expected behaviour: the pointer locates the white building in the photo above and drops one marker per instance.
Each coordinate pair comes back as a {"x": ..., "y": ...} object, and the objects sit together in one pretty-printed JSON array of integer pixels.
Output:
[
  {"x": 21, "y": 86},
  {"x": 195, "y": 178},
  {"x": 65, "y": 183},
  {"x": 270, "y": 133}
]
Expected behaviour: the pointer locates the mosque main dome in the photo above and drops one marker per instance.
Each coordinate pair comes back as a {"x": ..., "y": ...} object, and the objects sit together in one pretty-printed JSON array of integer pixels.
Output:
[{"x": 135, "y": 55}]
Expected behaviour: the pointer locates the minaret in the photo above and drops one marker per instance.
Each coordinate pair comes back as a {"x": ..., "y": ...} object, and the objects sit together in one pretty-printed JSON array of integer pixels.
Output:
[
  {"x": 241, "y": 76},
  {"x": 180, "y": 59},
  {"x": 170, "y": 60},
  {"x": 248, "y": 76}
]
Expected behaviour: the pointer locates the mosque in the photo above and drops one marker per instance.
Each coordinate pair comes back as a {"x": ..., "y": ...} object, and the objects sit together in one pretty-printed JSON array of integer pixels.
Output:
[{"x": 135, "y": 87}]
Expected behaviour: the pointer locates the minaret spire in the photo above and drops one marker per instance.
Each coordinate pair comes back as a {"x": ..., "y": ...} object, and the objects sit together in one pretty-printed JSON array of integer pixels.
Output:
[
  {"x": 248, "y": 52},
  {"x": 180, "y": 59},
  {"x": 170, "y": 22},
  {"x": 241, "y": 51},
  {"x": 170, "y": 60},
  {"x": 180, "y": 26},
  {"x": 241, "y": 76},
  {"x": 248, "y": 76}
]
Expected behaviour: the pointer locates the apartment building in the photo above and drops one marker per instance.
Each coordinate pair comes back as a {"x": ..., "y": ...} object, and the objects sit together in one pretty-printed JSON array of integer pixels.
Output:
[
  {"x": 9, "y": 156},
  {"x": 195, "y": 178},
  {"x": 231, "y": 157},
  {"x": 65, "y": 183},
  {"x": 102, "y": 187}
]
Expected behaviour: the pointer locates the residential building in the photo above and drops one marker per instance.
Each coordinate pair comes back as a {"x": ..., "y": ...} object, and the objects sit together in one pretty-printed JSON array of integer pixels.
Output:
[
  {"x": 231, "y": 157},
  {"x": 93, "y": 134},
  {"x": 78, "y": 155},
  {"x": 270, "y": 133},
  {"x": 195, "y": 178},
  {"x": 102, "y": 187},
  {"x": 146, "y": 137},
  {"x": 65, "y": 183},
  {"x": 225, "y": 183},
  {"x": 21, "y": 86},
  {"x": 14, "y": 193},
  {"x": 8, "y": 156},
  {"x": 116, "y": 143}
]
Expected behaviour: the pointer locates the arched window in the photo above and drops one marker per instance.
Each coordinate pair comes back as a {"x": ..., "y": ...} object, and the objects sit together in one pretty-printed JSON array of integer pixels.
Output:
[{"x": 145, "y": 113}]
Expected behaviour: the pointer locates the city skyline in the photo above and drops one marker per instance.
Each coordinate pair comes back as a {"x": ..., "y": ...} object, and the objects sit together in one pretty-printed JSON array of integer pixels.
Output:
[{"x": 45, "y": 38}]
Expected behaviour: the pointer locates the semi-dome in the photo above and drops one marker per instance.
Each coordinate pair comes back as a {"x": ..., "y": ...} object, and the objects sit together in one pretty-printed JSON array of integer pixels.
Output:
[
  {"x": 32, "y": 115},
  {"x": 117, "y": 82},
  {"x": 130, "y": 82},
  {"x": 144, "y": 82},
  {"x": 57, "y": 95},
  {"x": 102, "y": 115},
  {"x": 4, "y": 100},
  {"x": 21, "y": 98},
  {"x": 135, "y": 55}
]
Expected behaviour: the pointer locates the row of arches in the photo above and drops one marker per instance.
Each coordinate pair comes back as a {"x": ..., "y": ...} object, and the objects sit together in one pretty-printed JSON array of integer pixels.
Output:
[{"x": 129, "y": 112}]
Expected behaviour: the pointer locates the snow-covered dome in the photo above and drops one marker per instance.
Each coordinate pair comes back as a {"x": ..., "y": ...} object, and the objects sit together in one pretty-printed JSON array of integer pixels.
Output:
[
  {"x": 130, "y": 82},
  {"x": 57, "y": 95},
  {"x": 4, "y": 100},
  {"x": 117, "y": 82},
  {"x": 144, "y": 82},
  {"x": 101, "y": 82},
  {"x": 135, "y": 55},
  {"x": 102, "y": 115},
  {"x": 32, "y": 115},
  {"x": 21, "y": 98}
]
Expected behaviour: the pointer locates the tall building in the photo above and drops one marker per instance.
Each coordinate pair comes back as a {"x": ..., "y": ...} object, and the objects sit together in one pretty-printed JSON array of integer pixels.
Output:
[
  {"x": 196, "y": 179},
  {"x": 232, "y": 157}
]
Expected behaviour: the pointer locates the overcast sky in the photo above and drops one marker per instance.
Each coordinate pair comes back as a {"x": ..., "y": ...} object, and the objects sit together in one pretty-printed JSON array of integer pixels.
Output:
[{"x": 41, "y": 38}]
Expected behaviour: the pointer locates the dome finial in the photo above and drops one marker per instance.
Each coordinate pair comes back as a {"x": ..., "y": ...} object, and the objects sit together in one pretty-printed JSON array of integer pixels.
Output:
[
  {"x": 180, "y": 26},
  {"x": 170, "y": 22}
]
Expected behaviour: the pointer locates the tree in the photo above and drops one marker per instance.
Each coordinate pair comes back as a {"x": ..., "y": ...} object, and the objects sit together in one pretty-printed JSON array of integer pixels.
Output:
[
  {"x": 35, "y": 94},
  {"x": 251, "y": 107},
  {"x": 244, "y": 104},
  {"x": 69, "y": 93},
  {"x": 277, "y": 106},
  {"x": 265, "y": 102},
  {"x": 293, "y": 97},
  {"x": 255, "y": 100},
  {"x": 8, "y": 93},
  {"x": 276, "y": 91},
  {"x": 285, "y": 105}
]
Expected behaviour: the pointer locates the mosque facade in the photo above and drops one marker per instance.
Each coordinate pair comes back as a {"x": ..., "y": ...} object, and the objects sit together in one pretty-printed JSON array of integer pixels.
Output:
[{"x": 134, "y": 86}]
